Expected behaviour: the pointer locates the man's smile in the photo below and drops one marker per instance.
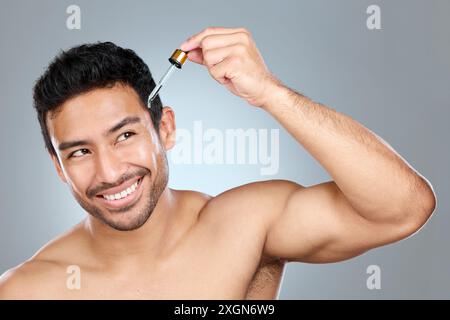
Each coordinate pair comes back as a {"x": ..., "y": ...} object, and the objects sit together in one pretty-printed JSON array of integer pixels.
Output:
[{"x": 122, "y": 195}]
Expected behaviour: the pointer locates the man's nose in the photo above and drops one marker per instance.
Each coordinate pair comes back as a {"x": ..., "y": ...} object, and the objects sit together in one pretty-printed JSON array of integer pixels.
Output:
[{"x": 109, "y": 166}]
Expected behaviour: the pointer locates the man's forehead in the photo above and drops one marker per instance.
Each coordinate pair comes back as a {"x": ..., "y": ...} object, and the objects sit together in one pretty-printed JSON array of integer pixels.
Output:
[{"x": 96, "y": 110}]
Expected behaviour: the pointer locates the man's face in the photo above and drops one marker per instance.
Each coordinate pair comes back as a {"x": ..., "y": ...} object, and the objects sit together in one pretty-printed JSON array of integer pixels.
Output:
[{"x": 110, "y": 155}]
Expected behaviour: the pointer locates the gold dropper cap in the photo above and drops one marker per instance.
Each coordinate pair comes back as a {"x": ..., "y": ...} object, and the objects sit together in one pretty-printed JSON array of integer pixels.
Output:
[{"x": 178, "y": 58}]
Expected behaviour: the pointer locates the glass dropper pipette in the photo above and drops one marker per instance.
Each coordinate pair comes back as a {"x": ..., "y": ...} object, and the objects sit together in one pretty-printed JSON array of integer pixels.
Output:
[{"x": 177, "y": 59}]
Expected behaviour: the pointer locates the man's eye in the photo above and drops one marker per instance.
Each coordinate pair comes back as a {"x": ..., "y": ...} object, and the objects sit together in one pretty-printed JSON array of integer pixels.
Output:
[
  {"x": 125, "y": 136},
  {"x": 78, "y": 153}
]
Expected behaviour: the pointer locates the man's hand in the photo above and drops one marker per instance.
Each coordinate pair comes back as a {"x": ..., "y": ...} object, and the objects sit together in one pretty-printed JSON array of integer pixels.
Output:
[{"x": 232, "y": 58}]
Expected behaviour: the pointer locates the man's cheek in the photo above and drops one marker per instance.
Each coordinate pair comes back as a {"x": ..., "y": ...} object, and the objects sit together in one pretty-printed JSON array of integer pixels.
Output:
[
  {"x": 78, "y": 190},
  {"x": 78, "y": 180},
  {"x": 144, "y": 153}
]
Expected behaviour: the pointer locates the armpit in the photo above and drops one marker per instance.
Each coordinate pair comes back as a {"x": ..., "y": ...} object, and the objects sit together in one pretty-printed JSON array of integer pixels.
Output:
[{"x": 266, "y": 280}]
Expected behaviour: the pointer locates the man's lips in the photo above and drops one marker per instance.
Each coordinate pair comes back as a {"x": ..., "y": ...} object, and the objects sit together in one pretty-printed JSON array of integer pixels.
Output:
[
  {"x": 124, "y": 201},
  {"x": 123, "y": 187}
]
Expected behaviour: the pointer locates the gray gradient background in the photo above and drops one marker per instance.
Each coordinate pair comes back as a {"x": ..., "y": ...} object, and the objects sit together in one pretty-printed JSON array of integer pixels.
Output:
[{"x": 394, "y": 81}]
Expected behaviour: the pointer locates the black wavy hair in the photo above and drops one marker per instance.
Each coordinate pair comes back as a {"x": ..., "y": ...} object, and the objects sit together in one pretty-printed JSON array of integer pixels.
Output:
[{"x": 87, "y": 67}]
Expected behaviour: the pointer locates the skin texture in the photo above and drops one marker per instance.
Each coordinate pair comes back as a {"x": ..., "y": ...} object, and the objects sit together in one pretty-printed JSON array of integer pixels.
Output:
[{"x": 183, "y": 244}]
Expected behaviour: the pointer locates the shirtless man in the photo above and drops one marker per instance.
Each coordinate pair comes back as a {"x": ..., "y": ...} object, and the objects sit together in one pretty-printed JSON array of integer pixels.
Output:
[{"x": 143, "y": 240}]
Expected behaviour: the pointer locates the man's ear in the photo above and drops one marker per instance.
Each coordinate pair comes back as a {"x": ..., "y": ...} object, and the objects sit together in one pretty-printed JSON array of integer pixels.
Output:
[
  {"x": 167, "y": 128},
  {"x": 57, "y": 165}
]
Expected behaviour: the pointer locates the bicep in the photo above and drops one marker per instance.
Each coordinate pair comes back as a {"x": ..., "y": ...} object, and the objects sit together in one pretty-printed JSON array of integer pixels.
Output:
[{"x": 317, "y": 224}]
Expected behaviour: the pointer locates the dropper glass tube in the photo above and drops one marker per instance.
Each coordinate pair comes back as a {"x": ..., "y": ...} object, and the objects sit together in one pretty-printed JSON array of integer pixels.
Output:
[{"x": 177, "y": 59}]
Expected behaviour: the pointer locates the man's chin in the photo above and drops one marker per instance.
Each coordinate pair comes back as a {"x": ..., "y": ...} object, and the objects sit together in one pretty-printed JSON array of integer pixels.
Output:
[
  {"x": 126, "y": 224},
  {"x": 126, "y": 220},
  {"x": 123, "y": 219}
]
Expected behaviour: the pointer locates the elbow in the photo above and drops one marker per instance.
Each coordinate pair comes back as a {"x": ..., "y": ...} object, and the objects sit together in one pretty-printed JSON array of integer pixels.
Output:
[{"x": 420, "y": 207}]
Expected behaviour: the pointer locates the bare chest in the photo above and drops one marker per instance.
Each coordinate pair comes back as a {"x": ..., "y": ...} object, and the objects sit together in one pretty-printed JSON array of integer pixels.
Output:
[{"x": 211, "y": 269}]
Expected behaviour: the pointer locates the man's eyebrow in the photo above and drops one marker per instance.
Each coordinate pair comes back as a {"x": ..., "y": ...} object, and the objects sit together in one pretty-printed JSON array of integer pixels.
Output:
[
  {"x": 125, "y": 121},
  {"x": 70, "y": 144}
]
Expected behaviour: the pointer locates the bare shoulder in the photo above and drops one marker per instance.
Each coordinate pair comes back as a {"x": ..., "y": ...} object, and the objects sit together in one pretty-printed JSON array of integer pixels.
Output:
[
  {"x": 194, "y": 200},
  {"x": 245, "y": 213},
  {"x": 43, "y": 275},
  {"x": 32, "y": 279},
  {"x": 239, "y": 218}
]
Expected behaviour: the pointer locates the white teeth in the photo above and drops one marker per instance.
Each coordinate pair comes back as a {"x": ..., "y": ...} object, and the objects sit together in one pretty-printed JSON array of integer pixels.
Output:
[{"x": 121, "y": 194}]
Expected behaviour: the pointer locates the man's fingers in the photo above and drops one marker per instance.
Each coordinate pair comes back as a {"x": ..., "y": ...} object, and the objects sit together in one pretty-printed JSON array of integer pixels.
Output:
[
  {"x": 224, "y": 71},
  {"x": 211, "y": 57},
  {"x": 196, "y": 56},
  {"x": 194, "y": 41},
  {"x": 211, "y": 47},
  {"x": 224, "y": 40}
]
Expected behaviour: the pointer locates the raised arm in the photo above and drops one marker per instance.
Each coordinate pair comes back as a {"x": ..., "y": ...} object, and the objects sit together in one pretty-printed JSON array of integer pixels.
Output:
[{"x": 375, "y": 197}]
